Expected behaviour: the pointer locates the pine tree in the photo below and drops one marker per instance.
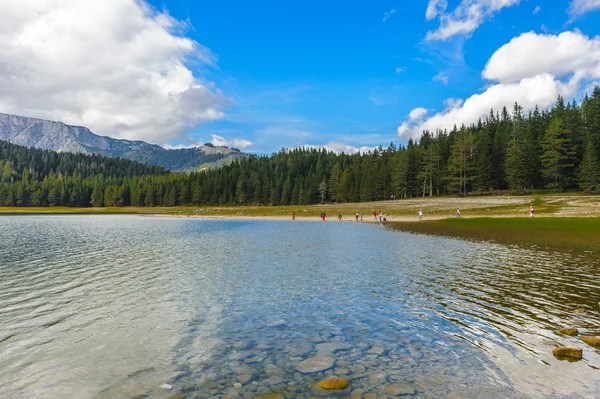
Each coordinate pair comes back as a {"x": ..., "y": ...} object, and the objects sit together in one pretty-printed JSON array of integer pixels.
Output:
[
  {"x": 589, "y": 170},
  {"x": 557, "y": 158},
  {"x": 459, "y": 165},
  {"x": 334, "y": 181},
  {"x": 516, "y": 171}
]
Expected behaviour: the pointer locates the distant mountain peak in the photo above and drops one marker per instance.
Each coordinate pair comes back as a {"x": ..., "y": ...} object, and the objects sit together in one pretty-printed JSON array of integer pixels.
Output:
[{"x": 58, "y": 136}]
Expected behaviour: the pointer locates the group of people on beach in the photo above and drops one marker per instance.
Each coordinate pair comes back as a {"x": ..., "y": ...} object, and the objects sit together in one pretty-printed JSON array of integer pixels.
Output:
[{"x": 359, "y": 216}]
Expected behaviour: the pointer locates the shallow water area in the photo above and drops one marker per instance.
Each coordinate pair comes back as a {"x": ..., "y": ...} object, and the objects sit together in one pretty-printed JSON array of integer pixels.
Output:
[{"x": 115, "y": 306}]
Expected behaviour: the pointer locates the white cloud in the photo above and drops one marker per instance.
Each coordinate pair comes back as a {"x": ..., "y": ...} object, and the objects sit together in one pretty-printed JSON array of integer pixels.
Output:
[
  {"x": 527, "y": 55},
  {"x": 537, "y": 9},
  {"x": 414, "y": 117},
  {"x": 465, "y": 18},
  {"x": 400, "y": 70},
  {"x": 523, "y": 71},
  {"x": 115, "y": 66},
  {"x": 441, "y": 77},
  {"x": 579, "y": 7},
  {"x": 339, "y": 148},
  {"x": 453, "y": 102},
  {"x": 435, "y": 8},
  {"x": 417, "y": 113},
  {"x": 235, "y": 142},
  {"x": 389, "y": 14}
]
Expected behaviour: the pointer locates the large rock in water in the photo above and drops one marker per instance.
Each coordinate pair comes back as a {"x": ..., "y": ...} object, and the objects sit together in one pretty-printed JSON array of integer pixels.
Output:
[
  {"x": 334, "y": 383},
  {"x": 567, "y": 353},
  {"x": 568, "y": 331},
  {"x": 591, "y": 340},
  {"x": 315, "y": 364}
]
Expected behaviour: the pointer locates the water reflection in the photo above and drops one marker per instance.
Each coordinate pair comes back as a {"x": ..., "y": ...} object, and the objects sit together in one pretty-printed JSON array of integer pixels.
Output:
[{"x": 115, "y": 306}]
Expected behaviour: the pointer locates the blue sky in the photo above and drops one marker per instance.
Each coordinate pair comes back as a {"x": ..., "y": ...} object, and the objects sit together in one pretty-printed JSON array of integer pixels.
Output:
[
  {"x": 265, "y": 75},
  {"x": 312, "y": 72}
]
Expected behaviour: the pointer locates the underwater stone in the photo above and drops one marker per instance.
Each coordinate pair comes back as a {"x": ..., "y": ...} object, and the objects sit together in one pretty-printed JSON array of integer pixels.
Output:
[
  {"x": 568, "y": 331},
  {"x": 334, "y": 383},
  {"x": 569, "y": 352},
  {"x": 315, "y": 364},
  {"x": 399, "y": 389},
  {"x": 591, "y": 340}
]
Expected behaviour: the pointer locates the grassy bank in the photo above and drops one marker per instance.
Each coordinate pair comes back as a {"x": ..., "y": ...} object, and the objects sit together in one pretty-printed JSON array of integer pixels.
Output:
[
  {"x": 433, "y": 208},
  {"x": 563, "y": 233}
]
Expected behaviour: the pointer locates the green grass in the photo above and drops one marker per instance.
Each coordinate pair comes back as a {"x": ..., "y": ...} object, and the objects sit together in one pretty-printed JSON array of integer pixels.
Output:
[{"x": 562, "y": 233}]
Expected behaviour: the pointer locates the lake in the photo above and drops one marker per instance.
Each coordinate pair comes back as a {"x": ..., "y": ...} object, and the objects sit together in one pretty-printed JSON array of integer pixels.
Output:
[{"x": 116, "y": 306}]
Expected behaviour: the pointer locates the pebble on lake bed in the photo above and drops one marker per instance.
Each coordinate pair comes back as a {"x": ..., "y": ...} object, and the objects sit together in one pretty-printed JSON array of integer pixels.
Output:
[
  {"x": 334, "y": 383},
  {"x": 166, "y": 386},
  {"x": 400, "y": 389},
  {"x": 568, "y": 331},
  {"x": 270, "y": 396},
  {"x": 591, "y": 340},
  {"x": 567, "y": 352},
  {"x": 315, "y": 364}
]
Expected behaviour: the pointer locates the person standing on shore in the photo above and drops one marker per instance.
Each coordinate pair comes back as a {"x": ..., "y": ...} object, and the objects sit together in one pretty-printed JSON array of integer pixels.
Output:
[
  {"x": 380, "y": 216},
  {"x": 374, "y": 216},
  {"x": 293, "y": 215},
  {"x": 360, "y": 216},
  {"x": 458, "y": 213},
  {"x": 531, "y": 211},
  {"x": 420, "y": 215}
]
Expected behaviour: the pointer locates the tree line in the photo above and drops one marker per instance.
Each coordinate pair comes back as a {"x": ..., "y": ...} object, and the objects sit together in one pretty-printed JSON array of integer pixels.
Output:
[{"x": 554, "y": 150}]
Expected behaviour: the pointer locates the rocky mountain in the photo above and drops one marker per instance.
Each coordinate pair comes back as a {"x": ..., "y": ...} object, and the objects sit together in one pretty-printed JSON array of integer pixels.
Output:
[{"x": 57, "y": 136}]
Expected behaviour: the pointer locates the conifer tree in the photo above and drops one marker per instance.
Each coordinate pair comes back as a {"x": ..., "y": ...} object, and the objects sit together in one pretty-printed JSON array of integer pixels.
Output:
[{"x": 557, "y": 158}]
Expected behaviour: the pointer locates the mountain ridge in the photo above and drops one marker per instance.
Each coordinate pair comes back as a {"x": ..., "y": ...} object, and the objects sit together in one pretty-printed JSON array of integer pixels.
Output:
[{"x": 59, "y": 136}]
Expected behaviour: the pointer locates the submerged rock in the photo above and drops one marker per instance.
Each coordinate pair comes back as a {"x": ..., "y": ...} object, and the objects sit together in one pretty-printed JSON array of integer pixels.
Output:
[
  {"x": 568, "y": 331},
  {"x": 567, "y": 352},
  {"x": 334, "y": 383},
  {"x": 322, "y": 392},
  {"x": 270, "y": 396},
  {"x": 377, "y": 378},
  {"x": 166, "y": 386},
  {"x": 399, "y": 389},
  {"x": 592, "y": 340},
  {"x": 332, "y": 347},
  {"x": 580, "y": 310},
  {"x": 315, "y": 364}
]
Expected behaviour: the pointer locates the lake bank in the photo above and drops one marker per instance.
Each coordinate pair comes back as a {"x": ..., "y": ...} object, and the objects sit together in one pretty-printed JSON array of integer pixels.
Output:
[{"x": 434, "y": 208}]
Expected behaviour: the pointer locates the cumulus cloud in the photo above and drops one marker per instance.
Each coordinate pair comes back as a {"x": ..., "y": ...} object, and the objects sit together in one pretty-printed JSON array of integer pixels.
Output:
[
  {"x": 417, "y": 113},
  {"x": 527, "y": 55},
  {"x": 524, "y": 71},
  {"x": 235, "y": 142},
  {"x": 389, "y": 14},
  {"x": 400, "y": 70},
  {"x": 115, "y": 66},
  {"x": 465, "y": 18},
  {"x": 579, "y": 7},
  {"x": 537, "y": 9},
  {"x": 414, "y": 117}
]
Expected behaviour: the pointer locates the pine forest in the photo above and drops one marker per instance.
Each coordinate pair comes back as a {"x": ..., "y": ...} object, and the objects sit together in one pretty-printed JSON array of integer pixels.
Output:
[{"x": 552, "y": 150}]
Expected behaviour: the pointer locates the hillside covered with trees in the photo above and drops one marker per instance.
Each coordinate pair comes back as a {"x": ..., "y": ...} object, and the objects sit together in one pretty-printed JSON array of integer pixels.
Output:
[{"x": 555, "y": 149}]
